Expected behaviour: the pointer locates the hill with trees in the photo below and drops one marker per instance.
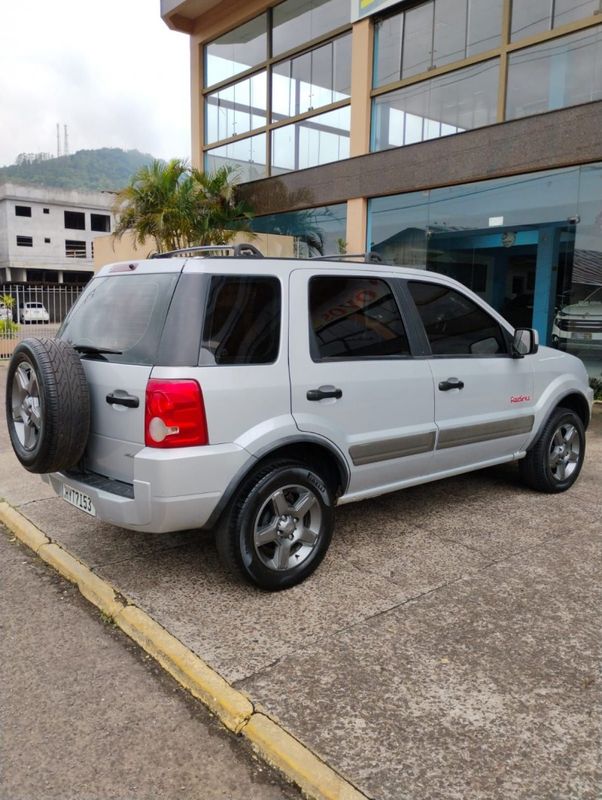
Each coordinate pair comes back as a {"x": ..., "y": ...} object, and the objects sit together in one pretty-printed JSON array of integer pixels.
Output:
[{"x": 108, "y": 168}]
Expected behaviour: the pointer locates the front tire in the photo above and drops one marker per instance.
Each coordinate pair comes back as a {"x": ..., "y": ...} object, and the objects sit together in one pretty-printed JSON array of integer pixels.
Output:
[
  {"x": 555, "y": 461},
  {"x": 280, "y": 526}
]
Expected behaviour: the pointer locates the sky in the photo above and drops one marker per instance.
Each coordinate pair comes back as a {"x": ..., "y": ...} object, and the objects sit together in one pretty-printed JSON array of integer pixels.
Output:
[{"x": 111, "y": 70}]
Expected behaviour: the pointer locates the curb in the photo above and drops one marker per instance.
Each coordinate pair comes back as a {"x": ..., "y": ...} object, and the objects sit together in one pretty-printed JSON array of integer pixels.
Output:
[{"x": 270, "y": 740}]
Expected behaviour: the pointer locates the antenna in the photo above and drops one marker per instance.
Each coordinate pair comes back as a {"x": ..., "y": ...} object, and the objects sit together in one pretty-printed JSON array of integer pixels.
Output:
[
  {"x": 58, "y": 141},
  {"x": 66, "y": 147}
]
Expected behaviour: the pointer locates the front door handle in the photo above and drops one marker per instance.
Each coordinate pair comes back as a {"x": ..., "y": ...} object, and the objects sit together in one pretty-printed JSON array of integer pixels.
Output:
[
  {"x": 451, "y": 383},
  {"x": 127, "y": 400},
  {"x": 324, "y": 392}
]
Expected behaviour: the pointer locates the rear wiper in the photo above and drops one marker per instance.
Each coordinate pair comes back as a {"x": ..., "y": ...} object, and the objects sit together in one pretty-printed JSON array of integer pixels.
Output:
[{"x": 90, "y": 350}]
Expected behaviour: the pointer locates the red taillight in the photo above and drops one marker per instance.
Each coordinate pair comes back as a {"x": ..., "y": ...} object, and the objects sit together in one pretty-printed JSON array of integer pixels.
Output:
[{"x": 174, "y": 414}]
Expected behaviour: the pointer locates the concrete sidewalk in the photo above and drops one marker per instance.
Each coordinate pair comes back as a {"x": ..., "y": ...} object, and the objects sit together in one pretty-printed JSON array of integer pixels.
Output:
[
  {"x": 85, "y": 715},
  {"x": 448, "y": 647}
]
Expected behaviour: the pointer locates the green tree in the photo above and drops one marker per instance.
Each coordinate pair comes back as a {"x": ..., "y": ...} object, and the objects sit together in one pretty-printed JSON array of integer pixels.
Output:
[{"x": 178, "y": 206}]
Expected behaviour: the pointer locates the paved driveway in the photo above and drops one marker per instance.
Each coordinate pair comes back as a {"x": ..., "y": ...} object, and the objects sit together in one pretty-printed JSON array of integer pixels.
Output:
[{"x": 448, "y": 647}]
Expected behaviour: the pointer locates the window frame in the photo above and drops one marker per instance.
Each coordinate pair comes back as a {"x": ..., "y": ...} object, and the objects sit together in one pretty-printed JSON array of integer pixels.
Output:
[
  {"x": 395, "y": 286},
  {"x": 98, "y": 215},
  {"x": 506, "y": 47},
  {"x": 425, "y": 345},
  {"x": 266, "y": 65},
  {"x": 23, "y": 211},
  {"x": 80, "y": 214}
]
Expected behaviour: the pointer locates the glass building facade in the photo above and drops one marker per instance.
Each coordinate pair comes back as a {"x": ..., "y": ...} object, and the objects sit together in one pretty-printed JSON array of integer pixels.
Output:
[
  {"x": 530, "y": 245},
  {"x": 314, "y": 231},
  {"x": 274, "y": 103},
  {"x": 282, "y": 92}
]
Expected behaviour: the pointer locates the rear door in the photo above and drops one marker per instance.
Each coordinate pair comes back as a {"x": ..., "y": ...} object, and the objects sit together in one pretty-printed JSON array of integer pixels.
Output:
[
  {"x": 483, "y": 396},
  {"x": 353, "y": 378},
  {"x": 122, "y": 312}
]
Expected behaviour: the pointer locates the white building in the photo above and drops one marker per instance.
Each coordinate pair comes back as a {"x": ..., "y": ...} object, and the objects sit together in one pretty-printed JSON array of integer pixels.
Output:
[{"x": 47, "y": 234}]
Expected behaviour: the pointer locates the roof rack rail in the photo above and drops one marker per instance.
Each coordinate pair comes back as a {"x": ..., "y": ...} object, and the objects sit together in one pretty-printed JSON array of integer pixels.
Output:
[
  {"x": 370, "y": 257},
  {"x": 242, "y": 250}
]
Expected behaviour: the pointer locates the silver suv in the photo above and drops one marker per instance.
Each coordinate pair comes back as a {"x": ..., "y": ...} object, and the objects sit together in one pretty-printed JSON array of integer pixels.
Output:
[{"x": 252, "y": 395}]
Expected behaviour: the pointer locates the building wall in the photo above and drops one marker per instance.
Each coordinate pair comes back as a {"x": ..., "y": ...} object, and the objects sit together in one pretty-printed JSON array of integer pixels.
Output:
[
  {"x": 46, "y": 227},
  {"x": 511, "y": 39},
  {"x": 380, "y": 133},
  {"x": 108, "y": 249}
]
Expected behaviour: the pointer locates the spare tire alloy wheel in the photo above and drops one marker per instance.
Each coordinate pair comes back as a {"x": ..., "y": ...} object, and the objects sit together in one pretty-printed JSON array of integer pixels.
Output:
[
  {"x": 26, "y": 409},
  {"x": 47, "y": 405},
  {"x": 280, "y": 526}
]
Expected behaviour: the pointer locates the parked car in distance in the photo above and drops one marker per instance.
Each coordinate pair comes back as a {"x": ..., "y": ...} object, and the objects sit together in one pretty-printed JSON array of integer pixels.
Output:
[
  {"x": 250, "y": 396},
  {"x": 580, "y": 324},
  {"x": 33, "y": 312}
]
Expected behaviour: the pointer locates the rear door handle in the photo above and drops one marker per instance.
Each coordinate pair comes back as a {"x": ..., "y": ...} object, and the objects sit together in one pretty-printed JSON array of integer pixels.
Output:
[
  {"x": 127, "y": 400},
  {"x": 324, "y": 392},
  {"x": 451, "y": 383}
]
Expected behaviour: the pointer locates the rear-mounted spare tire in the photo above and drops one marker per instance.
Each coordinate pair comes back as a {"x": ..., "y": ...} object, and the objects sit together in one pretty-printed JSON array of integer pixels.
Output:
[{"x": 47, "y": 405}]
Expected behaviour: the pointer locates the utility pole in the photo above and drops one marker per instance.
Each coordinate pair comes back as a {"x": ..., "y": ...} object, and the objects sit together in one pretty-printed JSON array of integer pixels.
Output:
[
  {"x": 66, "y": 148},
  {"x": 58, "y": 141}
]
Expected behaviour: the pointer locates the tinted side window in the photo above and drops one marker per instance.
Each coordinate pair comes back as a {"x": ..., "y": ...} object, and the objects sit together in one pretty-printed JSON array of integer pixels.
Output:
[
  {"x": 454, "y": 324},
  {"x": 354, "y": 318},
  {"x": 242, "y": 320}
]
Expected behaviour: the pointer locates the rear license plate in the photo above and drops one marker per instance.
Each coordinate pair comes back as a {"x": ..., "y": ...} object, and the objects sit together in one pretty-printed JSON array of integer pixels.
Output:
[
  {"x": 79, "y": 500},
  {"x": 583, "y": 336}
]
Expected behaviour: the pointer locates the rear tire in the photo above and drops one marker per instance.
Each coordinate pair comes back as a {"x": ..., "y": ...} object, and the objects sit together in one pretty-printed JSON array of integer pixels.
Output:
[
  {"x": 280, "y": 526},
  {"x": 554, "y": 462},
  {"x": 47, "y": 405}
]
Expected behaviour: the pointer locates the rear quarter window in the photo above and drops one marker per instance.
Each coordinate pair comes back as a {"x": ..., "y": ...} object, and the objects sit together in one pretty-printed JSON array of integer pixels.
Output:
[
  {"x": 122, "y": 312},
  {"x": 242, "y": 320}
]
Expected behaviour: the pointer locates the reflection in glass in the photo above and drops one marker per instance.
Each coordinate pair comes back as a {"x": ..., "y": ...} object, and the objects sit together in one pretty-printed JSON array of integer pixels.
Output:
[
  {"x": 450, "y": 103},
  {"x": 529, "y": 17},
  {"x": 312, "y": 80},
  {"x": 417, "y": 55},
  {"x": 535, "y": 16},
  {"x": 354, "y": 318},
  {"x": 495, "y": 236},
  {"x": 572, "y": 10},
  {"x": 247, "y": 156},
  {"x": 296, "y": 22},
  {"x": 563, "y": 72},
  {"x": 313, "y": 141},
  {"x": 315, "y": 231},
  {"x": 236, "y": 51},
  {"x": 434, "y": 34},
  {"x": 449, "y": 42},
  {"x": 237, "y": 109}
]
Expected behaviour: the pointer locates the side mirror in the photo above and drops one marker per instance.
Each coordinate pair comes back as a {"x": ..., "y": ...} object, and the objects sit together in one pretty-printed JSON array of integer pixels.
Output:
[{"x": 525, "y": 342}]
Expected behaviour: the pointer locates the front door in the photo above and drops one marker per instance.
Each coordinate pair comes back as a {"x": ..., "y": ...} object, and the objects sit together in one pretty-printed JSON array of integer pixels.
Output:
[
  {"x": 353, "y": 379},
  {"x": 484, "y": 398}
]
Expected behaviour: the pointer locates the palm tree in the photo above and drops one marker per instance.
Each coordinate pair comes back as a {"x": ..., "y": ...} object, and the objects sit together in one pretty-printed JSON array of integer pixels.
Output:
[{"x": 178, "y": 207}]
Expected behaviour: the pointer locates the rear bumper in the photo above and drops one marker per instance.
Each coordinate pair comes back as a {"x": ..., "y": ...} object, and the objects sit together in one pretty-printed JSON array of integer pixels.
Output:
[{"x": 195, "y": 483}]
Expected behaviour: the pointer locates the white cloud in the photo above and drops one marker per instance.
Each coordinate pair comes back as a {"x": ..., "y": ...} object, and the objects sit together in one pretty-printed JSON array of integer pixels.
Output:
[{"x": 111, "y": 70}]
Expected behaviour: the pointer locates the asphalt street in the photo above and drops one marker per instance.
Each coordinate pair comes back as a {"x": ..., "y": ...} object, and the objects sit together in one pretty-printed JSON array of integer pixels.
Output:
[
  {"x": 86, "y": 715},
  {"x": 448, "y": 647}
]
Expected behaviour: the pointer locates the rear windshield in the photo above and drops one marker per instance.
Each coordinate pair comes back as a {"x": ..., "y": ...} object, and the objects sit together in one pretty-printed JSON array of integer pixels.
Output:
[{"x": 122, "y": 312}]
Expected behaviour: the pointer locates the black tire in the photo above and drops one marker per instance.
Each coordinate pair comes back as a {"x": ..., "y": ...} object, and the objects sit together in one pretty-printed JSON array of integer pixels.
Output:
[
  {"x": 254, "y": 510},
  {"x": 49, "y": 422},
  {"x": 538, "y": 469}
]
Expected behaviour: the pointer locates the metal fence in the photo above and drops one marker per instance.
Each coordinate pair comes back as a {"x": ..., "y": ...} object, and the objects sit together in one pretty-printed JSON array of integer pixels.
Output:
[{"x": 18, "y": 320}]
